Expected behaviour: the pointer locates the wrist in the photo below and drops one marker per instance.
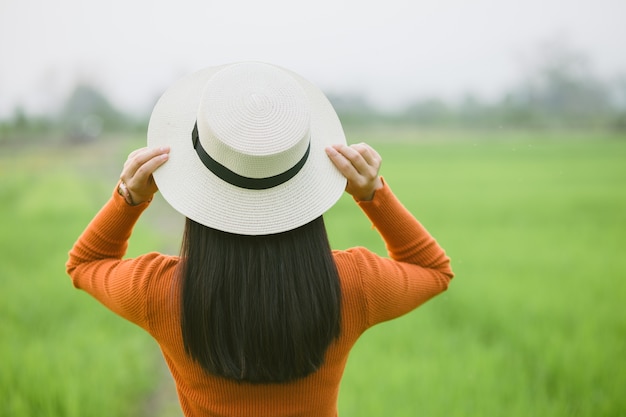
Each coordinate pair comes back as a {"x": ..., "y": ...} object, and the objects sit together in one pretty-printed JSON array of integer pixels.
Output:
[
  {"x": 369, "y": 194},
  {"x": 122, "y": 189}
]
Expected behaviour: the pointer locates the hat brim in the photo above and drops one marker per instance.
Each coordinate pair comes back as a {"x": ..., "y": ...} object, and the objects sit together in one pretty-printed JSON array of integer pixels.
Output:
[{"x": 194, "y": 191}]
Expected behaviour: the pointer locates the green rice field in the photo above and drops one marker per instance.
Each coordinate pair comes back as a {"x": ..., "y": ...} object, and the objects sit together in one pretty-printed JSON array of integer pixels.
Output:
[{"x": 533, "y": 324}]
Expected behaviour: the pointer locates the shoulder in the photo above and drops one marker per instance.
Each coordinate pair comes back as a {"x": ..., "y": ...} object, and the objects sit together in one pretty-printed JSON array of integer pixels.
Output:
[
  {"x": 355, "y": 267},
  {"x": 162, "y": 291},
  {"x": 360, "y": 269}
]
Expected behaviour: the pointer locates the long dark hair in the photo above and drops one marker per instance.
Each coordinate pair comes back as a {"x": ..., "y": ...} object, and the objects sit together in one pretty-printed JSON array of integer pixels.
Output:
[{"x": 259, "y": 309}]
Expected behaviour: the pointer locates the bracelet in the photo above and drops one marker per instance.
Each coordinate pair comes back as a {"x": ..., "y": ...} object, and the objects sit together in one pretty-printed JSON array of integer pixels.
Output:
[{"x": 122, "y": 190}]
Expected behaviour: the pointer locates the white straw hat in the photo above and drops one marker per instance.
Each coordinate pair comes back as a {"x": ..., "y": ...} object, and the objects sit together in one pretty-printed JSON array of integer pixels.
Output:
[{"x": 247, "y": 148}]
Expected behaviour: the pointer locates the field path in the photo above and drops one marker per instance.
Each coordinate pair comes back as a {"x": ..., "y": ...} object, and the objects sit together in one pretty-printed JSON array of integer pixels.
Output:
[
  {"x": 163, "y": 402},
  {"x": 103, "y": 160}
]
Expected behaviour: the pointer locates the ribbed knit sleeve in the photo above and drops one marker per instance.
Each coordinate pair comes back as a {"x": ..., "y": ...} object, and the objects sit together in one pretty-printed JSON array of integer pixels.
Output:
[
  {"x": 95, "y": 262},
  {"x": 417, "y": 268}
]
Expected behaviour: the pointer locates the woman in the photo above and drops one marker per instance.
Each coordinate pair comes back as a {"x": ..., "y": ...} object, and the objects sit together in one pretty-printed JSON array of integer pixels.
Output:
[{"x": 257, "y": 315}]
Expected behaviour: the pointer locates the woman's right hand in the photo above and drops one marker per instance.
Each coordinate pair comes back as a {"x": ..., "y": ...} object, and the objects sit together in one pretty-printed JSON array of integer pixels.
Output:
[
  {"x": 360, "y": 164},
  {"x": 136, "y": 181}
]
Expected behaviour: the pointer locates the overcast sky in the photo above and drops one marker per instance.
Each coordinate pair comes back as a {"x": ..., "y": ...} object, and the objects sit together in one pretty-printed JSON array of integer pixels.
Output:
[{"x": 390, "y": 50}]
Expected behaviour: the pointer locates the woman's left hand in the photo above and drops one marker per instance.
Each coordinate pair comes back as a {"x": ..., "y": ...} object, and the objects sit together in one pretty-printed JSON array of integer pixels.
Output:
[
  {"x": 137, "y": 184},
  {"x": 360, "y": 164}
]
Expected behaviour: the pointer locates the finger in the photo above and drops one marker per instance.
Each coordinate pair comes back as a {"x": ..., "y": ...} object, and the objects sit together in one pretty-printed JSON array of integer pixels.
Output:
[
  {"x": 352, "y": 154},
  {"x": 368, "y": 153},
  {"x": 344, "y": 165},
  {"x": 132, "y": 155},
  {"x": 138, "y": 158},
  {"x": 130, "y": 165},
  {"x": 136, "y": 151},
  {"x": 145, "y": 171}
]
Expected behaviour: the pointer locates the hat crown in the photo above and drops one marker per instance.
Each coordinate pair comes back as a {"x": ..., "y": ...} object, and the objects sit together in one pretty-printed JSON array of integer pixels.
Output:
[
  {"x": 247, "y": 148},
  {"x": 254, "y": 119}
]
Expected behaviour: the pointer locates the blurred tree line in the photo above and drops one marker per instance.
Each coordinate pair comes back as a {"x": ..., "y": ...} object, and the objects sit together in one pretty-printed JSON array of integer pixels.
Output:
[
  {"x": 85, "y": 116},
  {"x": 557, "y": 91}
]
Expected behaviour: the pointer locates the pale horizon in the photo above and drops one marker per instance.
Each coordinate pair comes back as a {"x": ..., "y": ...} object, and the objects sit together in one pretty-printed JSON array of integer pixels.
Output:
[{"x": 131, "y": 51}]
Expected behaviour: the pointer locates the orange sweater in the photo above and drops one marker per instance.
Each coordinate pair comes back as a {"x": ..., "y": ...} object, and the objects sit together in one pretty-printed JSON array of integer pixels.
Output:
[{"x": 375, "y": 289}]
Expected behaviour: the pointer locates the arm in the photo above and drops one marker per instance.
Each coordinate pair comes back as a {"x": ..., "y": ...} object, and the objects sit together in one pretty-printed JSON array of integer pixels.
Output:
[
  {"x": 95, "y": 262},
  {"x": 405, "y": 237},
  {"x": 418, "y": 268}
]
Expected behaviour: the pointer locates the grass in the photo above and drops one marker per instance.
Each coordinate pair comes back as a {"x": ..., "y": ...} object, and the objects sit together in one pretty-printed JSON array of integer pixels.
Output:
[
  {"x": 533, "y": 323},
  {"x": 62, "y": 353}
]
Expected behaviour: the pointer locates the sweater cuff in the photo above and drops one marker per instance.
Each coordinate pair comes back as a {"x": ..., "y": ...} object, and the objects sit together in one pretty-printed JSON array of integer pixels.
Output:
[{"x": 385, "y": 211}]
